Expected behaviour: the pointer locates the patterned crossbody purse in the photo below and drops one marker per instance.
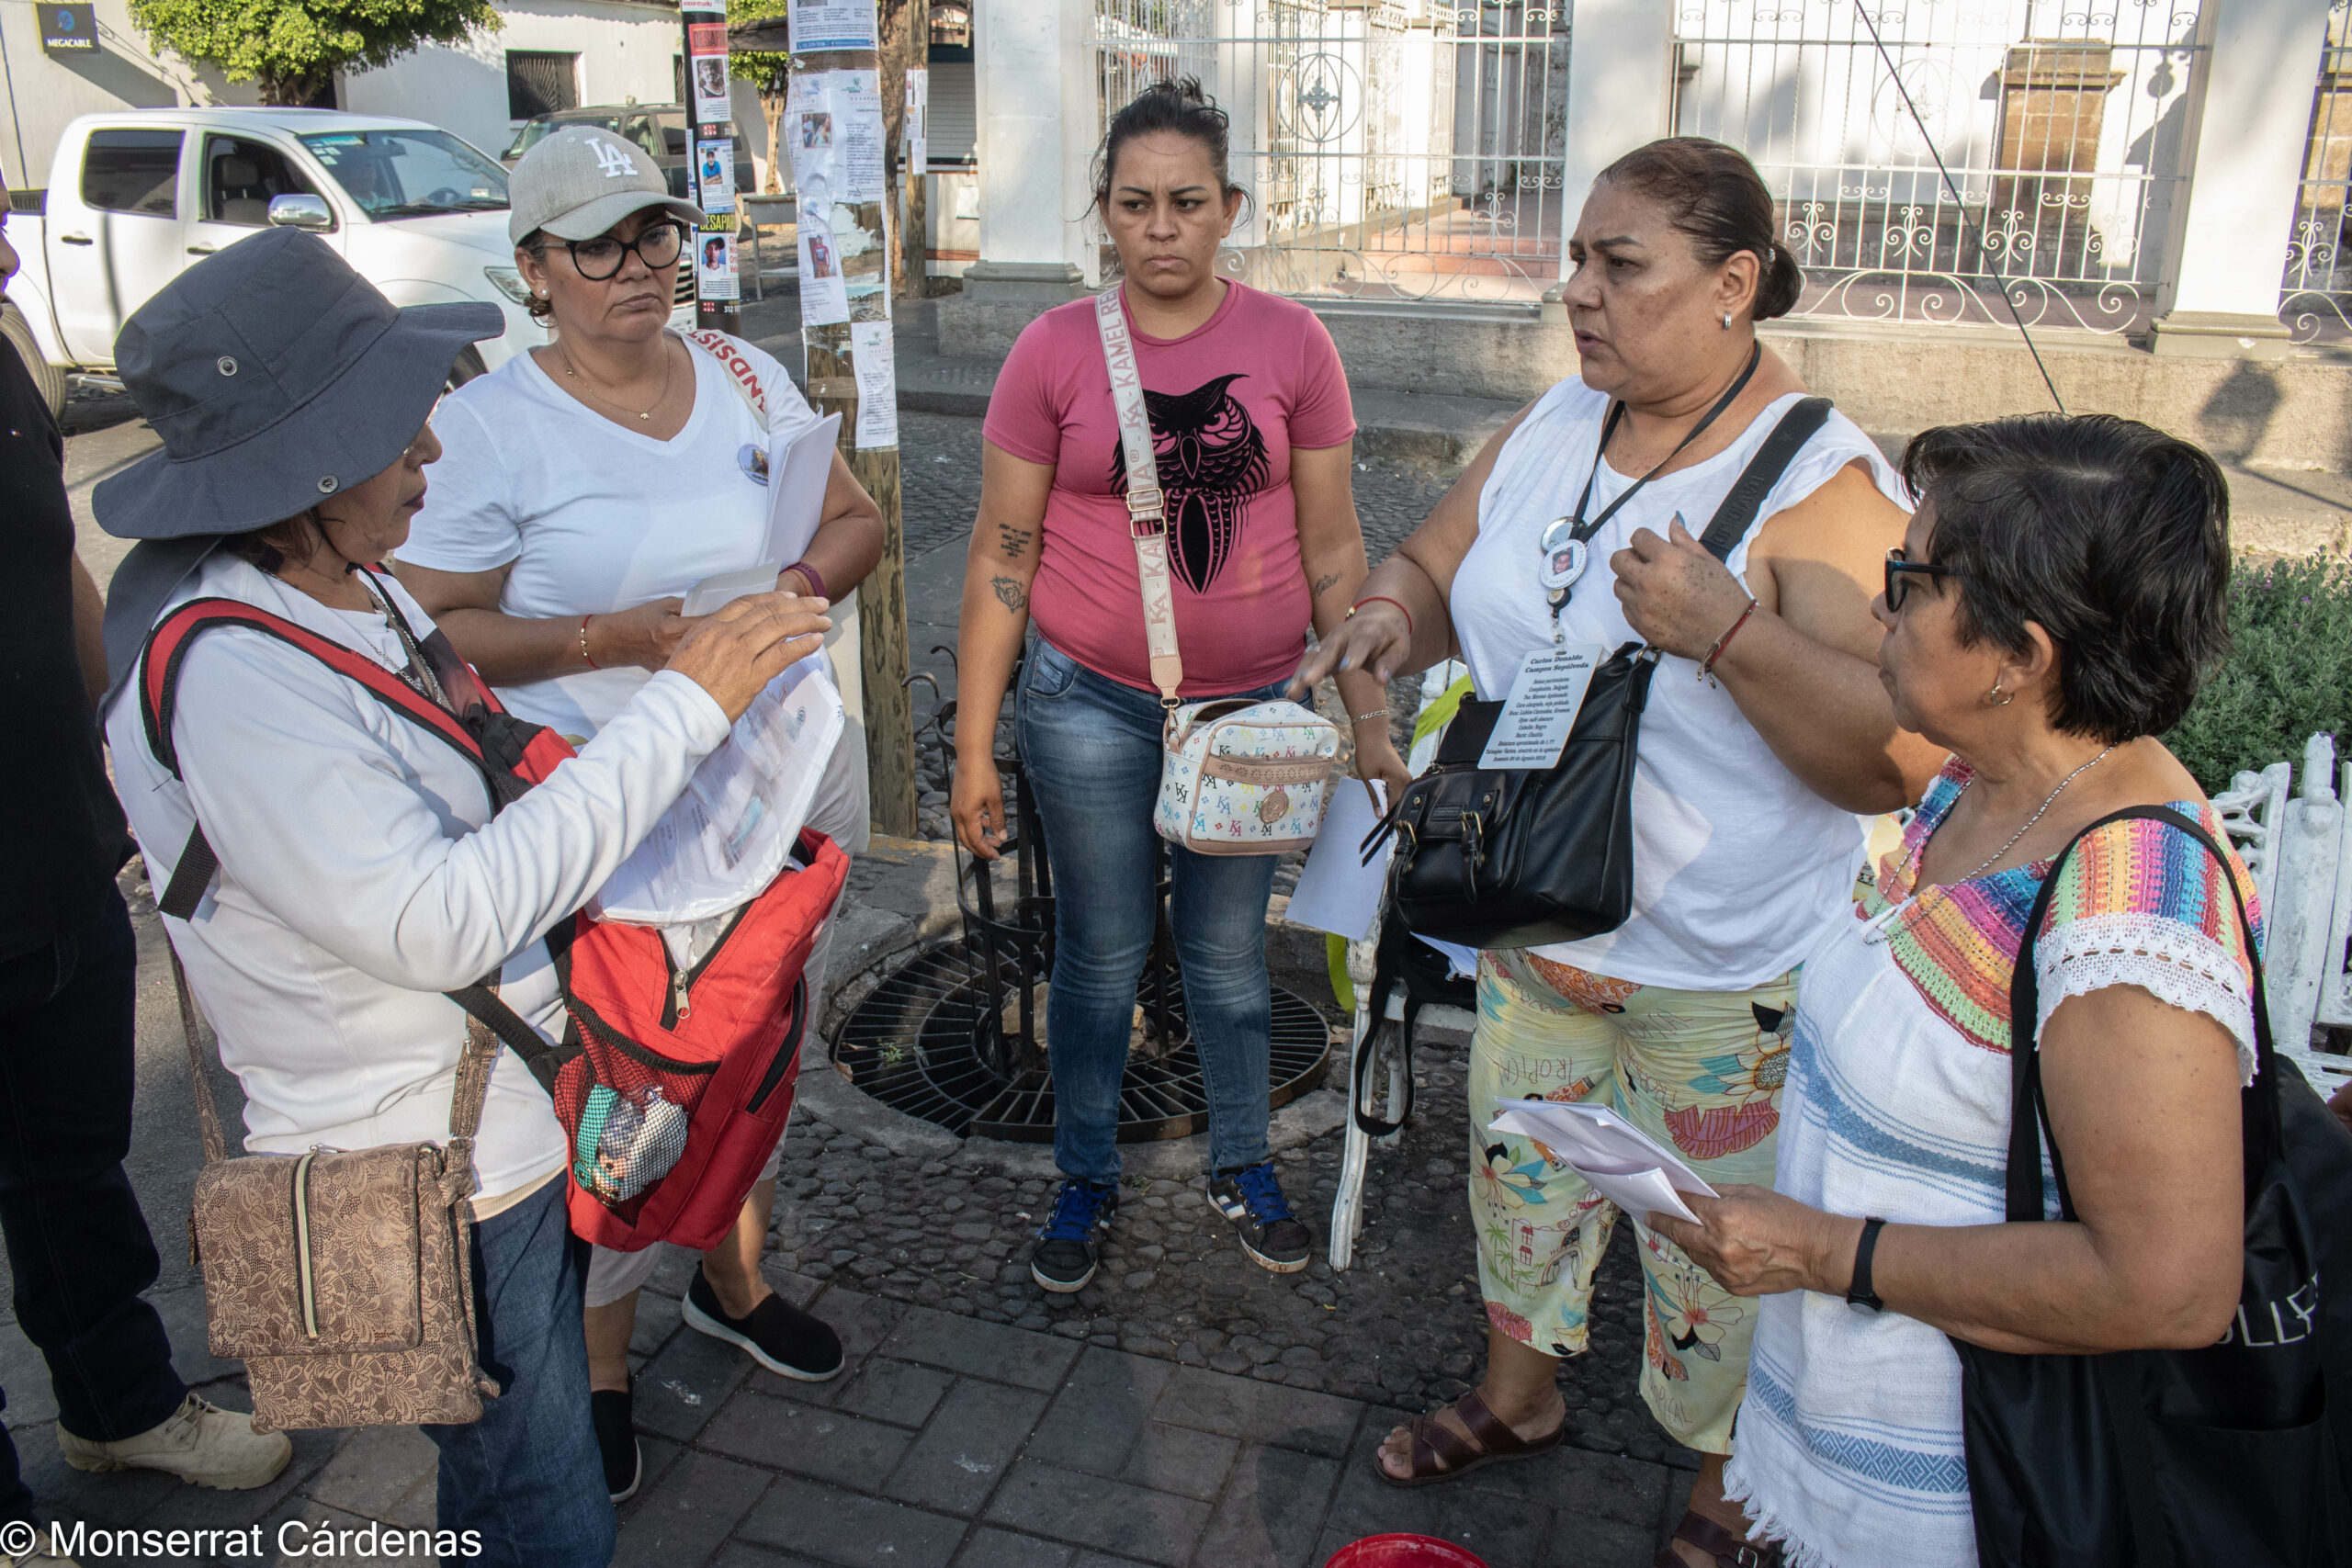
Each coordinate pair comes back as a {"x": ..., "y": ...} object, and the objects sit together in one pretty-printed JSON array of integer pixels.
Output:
[{"x": 1236, "y": 777}]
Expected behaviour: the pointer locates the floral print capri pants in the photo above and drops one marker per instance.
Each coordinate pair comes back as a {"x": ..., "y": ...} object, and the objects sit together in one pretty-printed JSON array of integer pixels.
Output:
[{"x": 1699, "y": 1071}]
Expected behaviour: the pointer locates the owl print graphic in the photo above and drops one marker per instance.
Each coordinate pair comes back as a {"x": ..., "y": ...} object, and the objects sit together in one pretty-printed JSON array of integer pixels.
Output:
[{"x": 1212, "y": 458}]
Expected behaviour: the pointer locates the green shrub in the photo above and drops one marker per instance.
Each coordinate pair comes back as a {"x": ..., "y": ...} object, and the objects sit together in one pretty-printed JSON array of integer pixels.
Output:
[{"x": 2288, "y": 674}]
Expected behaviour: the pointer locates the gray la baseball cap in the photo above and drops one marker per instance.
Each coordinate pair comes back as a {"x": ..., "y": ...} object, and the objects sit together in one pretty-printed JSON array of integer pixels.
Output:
[{"x": 581, "y": 181}]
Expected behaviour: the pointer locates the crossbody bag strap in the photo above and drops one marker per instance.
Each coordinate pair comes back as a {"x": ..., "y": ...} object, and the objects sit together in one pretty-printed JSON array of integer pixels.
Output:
[
  {"x": 1746, "y": 497},
  {"x": 1147, "y": 506},
  {"x": 208, "y": 1115},
  {"x": 740, "y": 374}
]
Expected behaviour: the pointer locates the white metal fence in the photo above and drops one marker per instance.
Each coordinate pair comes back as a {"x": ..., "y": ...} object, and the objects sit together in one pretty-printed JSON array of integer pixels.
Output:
[
  {"x": 1393, "y": 148},
  {"x": 2060, "y": 121},
  {"x": 2316, "y": 297}
]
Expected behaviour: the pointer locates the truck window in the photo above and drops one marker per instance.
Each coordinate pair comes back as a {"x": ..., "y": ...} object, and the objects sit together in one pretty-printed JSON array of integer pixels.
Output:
[
  {"x": 241, "y": 176},
  {"x": 132, "y": 171}
]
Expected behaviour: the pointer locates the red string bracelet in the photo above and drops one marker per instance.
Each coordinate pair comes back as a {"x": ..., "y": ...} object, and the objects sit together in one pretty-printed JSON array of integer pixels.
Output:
[
  {"x": 1382, "y": 599},
  {"x": 584, "y": 643},
  {"x": 1707, "y": 665}
]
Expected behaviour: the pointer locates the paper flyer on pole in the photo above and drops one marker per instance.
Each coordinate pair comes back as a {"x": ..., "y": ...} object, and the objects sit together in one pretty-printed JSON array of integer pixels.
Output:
[
  {"x": 856, "y": 98},
  {"x": 831, "y": 24},
  {"x": 713, "y": 104},
  {"x": 715, "y": 174},
  {"x": 914, "y": 131},
  {"x": 715, "y": 275},
  {"x": 877, "y": 384},
  {"x": 1623, "y": 1164}
]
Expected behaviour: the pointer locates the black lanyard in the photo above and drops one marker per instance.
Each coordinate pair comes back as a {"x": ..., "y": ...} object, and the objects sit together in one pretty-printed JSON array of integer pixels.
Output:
[{"x": 1583, "y": 530}]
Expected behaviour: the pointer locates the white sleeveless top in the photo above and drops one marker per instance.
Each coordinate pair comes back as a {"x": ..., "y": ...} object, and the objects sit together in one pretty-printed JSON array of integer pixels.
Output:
[{"x": 1737, "y": 866}]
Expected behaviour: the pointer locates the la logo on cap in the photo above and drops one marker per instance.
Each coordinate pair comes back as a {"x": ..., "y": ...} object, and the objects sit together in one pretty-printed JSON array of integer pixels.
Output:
[{"x": 614, "y": 159}]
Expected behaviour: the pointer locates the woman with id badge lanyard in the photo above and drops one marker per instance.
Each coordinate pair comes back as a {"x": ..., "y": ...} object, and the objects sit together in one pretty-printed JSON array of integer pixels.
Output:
[
  {"x": 1580, "y": 526},
  {"x": 583, "y": 488}
]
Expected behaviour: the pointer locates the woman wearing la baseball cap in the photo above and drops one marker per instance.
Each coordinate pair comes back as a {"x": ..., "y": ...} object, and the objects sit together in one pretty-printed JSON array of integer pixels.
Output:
[{"x": 584, "y": 488}]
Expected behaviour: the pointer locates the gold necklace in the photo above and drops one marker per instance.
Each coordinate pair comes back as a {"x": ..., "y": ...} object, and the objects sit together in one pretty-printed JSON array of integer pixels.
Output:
[
  {"x": 669, "y": 367},
  {"x": 1878, "y": 933}
]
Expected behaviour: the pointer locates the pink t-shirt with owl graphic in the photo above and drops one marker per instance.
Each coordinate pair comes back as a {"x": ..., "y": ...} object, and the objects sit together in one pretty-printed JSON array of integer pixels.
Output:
[{"x": 1228, "y": 400}]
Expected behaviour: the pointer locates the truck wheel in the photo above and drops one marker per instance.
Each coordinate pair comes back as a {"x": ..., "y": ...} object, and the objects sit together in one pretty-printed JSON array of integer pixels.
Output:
[
  {"x": 469, "y": 366},
  {"x": 47, "y": 377}
]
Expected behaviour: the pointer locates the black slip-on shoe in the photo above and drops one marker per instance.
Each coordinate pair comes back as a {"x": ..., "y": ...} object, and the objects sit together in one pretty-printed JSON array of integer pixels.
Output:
[
  {"x": 613, "y": 1413},
  {"x": 779, "y": 1335}
]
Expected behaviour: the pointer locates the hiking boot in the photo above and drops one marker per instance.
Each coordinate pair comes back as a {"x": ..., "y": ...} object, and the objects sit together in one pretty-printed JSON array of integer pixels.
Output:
[
  {"x": 1064, "y": 1260},
  {"x": 612, "y": 1412},
  {"x": 201, "y": 1443},
  {"x": 43, "y": 1553},
  {"x": 1253, "y": 1199},
  {"x": 779, "y": 1335}
]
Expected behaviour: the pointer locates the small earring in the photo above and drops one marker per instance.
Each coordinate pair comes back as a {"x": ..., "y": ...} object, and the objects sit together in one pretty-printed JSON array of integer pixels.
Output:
[
  {"x": 1727, "y": 320},
  {"x": 1999, "y": 698}
]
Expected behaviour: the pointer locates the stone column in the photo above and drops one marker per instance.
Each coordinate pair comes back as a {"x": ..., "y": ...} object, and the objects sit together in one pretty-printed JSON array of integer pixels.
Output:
[
  {"x": 1620, "y": 82},
  {"x": 2245, "y": 159},
  {"x": 1029, "y": 66}
]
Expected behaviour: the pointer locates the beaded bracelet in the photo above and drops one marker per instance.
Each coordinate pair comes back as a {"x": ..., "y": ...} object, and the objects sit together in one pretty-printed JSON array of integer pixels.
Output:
[
  {"x": 1382, "y": 599},
  {"x": 584, "y": 658},
  {"x": 1707, "y": 665}
]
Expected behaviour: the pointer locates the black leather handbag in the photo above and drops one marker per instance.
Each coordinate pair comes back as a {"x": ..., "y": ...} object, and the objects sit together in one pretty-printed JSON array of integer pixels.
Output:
[
  {"x": 1518, "y": 857},
  {"x": 2232, "y": 1454}
]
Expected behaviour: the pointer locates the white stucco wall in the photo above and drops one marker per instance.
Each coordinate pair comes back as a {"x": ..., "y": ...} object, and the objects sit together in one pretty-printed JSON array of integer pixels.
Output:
[
  {"x": 40, "y": 93},
  {"x": 625, "y": 51}
]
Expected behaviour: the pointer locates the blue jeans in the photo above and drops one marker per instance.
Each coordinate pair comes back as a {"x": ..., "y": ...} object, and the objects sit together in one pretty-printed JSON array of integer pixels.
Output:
[
  {"x": 526, "y": 1476},
  {"x": 1091, "y": 748},
  {"x": 77, "y": 1243}
]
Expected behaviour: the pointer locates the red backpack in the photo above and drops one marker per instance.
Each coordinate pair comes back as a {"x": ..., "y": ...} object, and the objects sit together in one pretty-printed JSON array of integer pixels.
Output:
[{"x": 673, "y": 1087}]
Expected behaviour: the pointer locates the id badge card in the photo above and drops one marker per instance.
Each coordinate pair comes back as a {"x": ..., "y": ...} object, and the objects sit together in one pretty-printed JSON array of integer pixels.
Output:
[{"x": 1533, "y": 726}]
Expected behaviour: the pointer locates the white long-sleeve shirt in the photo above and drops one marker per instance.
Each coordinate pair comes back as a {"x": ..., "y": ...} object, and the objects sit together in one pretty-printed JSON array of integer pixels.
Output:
[{"x": 362, "y": 875}]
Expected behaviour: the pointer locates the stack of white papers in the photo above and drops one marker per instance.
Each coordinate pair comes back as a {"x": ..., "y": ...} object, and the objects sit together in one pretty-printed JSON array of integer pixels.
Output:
[
  {"x": 798, "y": 468},
  {"x": 729, "y": 833},
  {"x": 1623, "y": 1164}
]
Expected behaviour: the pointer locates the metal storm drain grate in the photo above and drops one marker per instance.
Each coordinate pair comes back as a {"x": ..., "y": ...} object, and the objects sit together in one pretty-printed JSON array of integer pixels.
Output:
[{"x": 956, "y": 1035}]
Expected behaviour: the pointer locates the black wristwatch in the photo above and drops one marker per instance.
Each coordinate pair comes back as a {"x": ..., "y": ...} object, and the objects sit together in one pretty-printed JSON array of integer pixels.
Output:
[{"x": 1859, "y": 1294}]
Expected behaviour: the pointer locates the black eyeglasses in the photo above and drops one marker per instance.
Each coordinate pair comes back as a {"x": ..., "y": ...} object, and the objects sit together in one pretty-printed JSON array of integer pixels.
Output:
[
  {"x": 657, "y": 245},
  {"x": 1900, "y": 572}
]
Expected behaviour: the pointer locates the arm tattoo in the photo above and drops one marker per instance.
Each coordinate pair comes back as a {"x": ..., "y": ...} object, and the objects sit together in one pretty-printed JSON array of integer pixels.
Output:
[
  {"x": 1010, "y": 594},
  {"x": 1011, "y": 540},
  {"x": 1323, "y": 585}
]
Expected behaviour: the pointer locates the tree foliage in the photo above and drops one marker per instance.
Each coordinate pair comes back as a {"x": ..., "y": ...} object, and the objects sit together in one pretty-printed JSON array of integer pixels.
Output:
[
  {"x": 2288, "y": 674},
  {"x": 769, "y": 71},
  {"x": 293, "y": 48}
]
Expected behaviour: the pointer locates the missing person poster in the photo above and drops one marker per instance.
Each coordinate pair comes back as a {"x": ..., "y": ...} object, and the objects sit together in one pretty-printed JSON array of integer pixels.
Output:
[
  {"x": 714, "y": 277},
  {"x": 715, "y": 174},
  {"x": 830, "y": 23},
  {"x": 713, "y": 105}
]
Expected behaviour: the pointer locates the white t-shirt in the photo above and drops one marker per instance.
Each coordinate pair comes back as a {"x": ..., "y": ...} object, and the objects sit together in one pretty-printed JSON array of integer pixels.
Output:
[
  {"x": 1737, "y": 864},
  {"x": 594, "y": 517},
  {"x": 361, "y": 875}
]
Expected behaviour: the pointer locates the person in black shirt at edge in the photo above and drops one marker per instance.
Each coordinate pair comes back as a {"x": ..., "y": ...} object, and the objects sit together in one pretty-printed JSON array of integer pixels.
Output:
[{"x": 77, "y": 1243}]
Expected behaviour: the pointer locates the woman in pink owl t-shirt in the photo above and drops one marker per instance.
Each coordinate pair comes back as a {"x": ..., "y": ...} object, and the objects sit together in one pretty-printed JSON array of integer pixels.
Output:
[{"x": 1251, "y": 426}]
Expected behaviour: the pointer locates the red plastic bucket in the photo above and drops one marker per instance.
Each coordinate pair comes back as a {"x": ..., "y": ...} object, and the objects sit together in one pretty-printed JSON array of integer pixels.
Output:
[{"x": 1403, "y": 1551}]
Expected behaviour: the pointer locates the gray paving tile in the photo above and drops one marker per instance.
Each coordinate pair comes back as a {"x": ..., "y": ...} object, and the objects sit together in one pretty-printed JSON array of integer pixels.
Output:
[
  {"x": 1590, "y": 1485},
  {"x": 305, "y": 1534},
  {"x": 1180, "y": 1460},
  {"x": 850, "y": 1530},
  {"x": 1103, "y": 1560},
  {"x": 741, "y": 1556},
  {"x": 981, "y": 1349},
  {"x": 964, "y": 1452},
  {"x": 374, "y": 1469},
  {"x": 862, "y": 1322},
  {"x": 681, "y": 1388},
  {"x": 1578, "y": 1541},
  {"x": 696, "y": 1511},
  {"x": 1502, "y": 1533},
  {"x": 897, "y": 1391},
  {"x": 1002, "y": 1549},
  {"x": 1100, "y": 1411},
  {"x": 1270, "y": 1511},
  {"x": 1258, "y": 1411},
  {"x": 802, "y": 1439},
  {"x": 1044, "y": 1499}
]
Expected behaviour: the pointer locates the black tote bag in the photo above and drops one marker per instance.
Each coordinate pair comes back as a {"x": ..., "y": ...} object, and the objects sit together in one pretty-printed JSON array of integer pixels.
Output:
[
  {"x": 1518, "y": 857},
  {"x": 2229, "y": 1455}
]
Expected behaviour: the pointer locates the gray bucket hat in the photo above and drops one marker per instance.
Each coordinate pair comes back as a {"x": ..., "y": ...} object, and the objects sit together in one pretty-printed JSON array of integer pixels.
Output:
[{"x": 276, "y": 377}]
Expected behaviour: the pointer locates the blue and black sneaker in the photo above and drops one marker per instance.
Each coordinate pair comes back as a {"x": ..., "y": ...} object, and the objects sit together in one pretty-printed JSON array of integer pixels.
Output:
[
  {"x": 1064, "y": 1260},
  {"x": 1253, "y": 1199}
]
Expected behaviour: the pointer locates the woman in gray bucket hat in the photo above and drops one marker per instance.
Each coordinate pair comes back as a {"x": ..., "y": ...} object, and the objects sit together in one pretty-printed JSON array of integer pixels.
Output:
[{"x": 360, "y": 873}]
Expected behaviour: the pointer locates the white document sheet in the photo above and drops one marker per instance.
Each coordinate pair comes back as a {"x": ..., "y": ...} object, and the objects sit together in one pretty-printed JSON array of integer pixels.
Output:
[
  {"x": 1337, "y": 891},
  {"x": 796, "y": 475},
  {"x": 739, "y": 815},
  {"x": 1464, "y": 960},
  {"x": 1624, "y": 1164}
]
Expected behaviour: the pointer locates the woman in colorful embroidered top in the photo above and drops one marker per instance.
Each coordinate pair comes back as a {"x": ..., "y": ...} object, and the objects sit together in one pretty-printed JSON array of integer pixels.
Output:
[
  {"x": 1766, "y": 731},
  {"x": 1251, "y": 414},
  {"x": 2058, "y": 597}
]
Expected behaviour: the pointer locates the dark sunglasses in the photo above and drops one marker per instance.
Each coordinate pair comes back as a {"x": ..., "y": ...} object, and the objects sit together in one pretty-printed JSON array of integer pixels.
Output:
[
  {"x": 657, "y": 245},
  {"x": 1899, "y": 573}
]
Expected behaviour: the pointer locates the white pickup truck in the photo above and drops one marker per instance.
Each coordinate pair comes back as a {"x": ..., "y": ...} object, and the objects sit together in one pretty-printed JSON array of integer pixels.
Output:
[{"x": 134, "y": 197}]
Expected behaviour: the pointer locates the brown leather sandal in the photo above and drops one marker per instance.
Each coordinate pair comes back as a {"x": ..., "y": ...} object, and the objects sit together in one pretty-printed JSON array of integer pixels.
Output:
[
  {"x": 1439, "y": 1454},
  {"x": 1723, "y": 1548}
]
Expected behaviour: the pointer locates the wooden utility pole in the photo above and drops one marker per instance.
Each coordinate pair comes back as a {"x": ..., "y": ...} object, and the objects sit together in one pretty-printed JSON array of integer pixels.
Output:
[
  {"x": 915, "y": 275},
  {"x": 705, "y": 25},
  {"x": 834, "y": 389}
]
